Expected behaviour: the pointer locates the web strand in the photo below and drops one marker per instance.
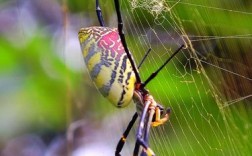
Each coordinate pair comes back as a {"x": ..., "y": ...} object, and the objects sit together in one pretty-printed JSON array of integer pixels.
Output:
[{"x": 199, "y": 85}]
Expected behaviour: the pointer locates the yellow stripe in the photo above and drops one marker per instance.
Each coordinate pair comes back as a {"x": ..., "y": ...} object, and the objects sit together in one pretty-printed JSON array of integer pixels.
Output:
[
  {"x": 86, "y": 48},
  {"x": 95, "y": 59}
]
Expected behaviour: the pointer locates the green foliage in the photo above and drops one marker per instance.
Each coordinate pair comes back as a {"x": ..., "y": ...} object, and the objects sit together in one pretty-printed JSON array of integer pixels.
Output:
[{"x": 33, "y": 87}]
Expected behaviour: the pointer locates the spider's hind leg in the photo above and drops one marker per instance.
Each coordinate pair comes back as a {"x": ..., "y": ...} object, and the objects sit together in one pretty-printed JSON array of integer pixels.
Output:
[
  {"x": 125, "y": 134},
  {"x": 99, "y": 14}
]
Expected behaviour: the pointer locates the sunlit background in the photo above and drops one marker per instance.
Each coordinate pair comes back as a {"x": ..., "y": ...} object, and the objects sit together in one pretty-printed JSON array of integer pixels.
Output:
[{"x": 50, "y": 107}]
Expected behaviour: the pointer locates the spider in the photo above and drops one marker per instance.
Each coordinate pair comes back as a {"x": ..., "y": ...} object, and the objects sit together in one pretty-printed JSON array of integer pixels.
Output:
[{"x": 115, "y": 74}]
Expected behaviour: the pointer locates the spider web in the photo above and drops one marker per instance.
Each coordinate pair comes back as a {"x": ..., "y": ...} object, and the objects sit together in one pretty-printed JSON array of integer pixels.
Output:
[{"x": 207, "y": 85}]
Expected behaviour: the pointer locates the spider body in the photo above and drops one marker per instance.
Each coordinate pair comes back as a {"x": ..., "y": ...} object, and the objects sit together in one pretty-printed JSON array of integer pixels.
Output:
[
  {"x": 108, "y": 64},
  {"x": 115, "y": 74}
]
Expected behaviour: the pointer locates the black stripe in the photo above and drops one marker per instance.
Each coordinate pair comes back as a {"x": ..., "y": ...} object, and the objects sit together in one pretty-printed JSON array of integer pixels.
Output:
[
  {"x": 105, "y": 89},
  {"x": 122, "y": 70},
  {"x": 95, "y": 71},
  {"x": 128, "y": 77},
  {"x": 119, "y": 104},
  {"x": 124, "y": 88},
  {"x": 91, "y": 52}
]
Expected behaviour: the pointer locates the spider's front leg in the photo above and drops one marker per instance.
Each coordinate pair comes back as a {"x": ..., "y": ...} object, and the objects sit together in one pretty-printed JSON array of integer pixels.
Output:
[{"x": 158, "y": 120}]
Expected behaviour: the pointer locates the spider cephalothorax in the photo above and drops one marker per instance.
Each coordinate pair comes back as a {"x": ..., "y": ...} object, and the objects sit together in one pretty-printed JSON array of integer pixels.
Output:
[{"x": 115, "y": 74}]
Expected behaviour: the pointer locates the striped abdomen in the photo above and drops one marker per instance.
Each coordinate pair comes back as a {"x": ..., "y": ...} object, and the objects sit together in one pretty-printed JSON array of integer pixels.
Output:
[{"x": 108, "y": 64}]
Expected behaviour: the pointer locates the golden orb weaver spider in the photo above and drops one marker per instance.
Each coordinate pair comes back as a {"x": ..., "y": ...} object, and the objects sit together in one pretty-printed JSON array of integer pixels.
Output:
[{"x": 113, "y": 70}]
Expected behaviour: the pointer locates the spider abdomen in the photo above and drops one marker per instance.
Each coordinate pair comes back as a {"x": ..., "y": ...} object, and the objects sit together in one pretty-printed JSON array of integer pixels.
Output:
[{"x": 108, "y": 64}]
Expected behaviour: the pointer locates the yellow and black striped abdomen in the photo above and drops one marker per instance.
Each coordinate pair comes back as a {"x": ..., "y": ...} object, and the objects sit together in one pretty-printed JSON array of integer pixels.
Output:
[{"x": 108, "y": 64}]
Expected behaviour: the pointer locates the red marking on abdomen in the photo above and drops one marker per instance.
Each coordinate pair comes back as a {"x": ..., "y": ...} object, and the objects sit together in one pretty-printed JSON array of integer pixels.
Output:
[{"x": 111, "y": 41}]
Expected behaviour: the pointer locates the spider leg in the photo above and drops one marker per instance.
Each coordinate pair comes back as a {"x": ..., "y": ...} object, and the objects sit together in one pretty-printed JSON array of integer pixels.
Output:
[
  {"x": 140, "y": 141},
  {"x": 154, "y": 74},
  {"x": 158, "y": 120},
  {"x": 147, "y": 129},
  {"x": 99, "y": 14},
  {"x": 125, "y": 134},
  {"x": 136, "y": 149},
  {"x": 123, "y": 40},
  {"x": 145, "y": 56}
]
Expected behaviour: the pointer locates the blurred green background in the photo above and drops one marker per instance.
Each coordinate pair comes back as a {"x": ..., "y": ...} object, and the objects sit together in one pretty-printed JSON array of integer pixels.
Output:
[{"x": 47, "y": 99}]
